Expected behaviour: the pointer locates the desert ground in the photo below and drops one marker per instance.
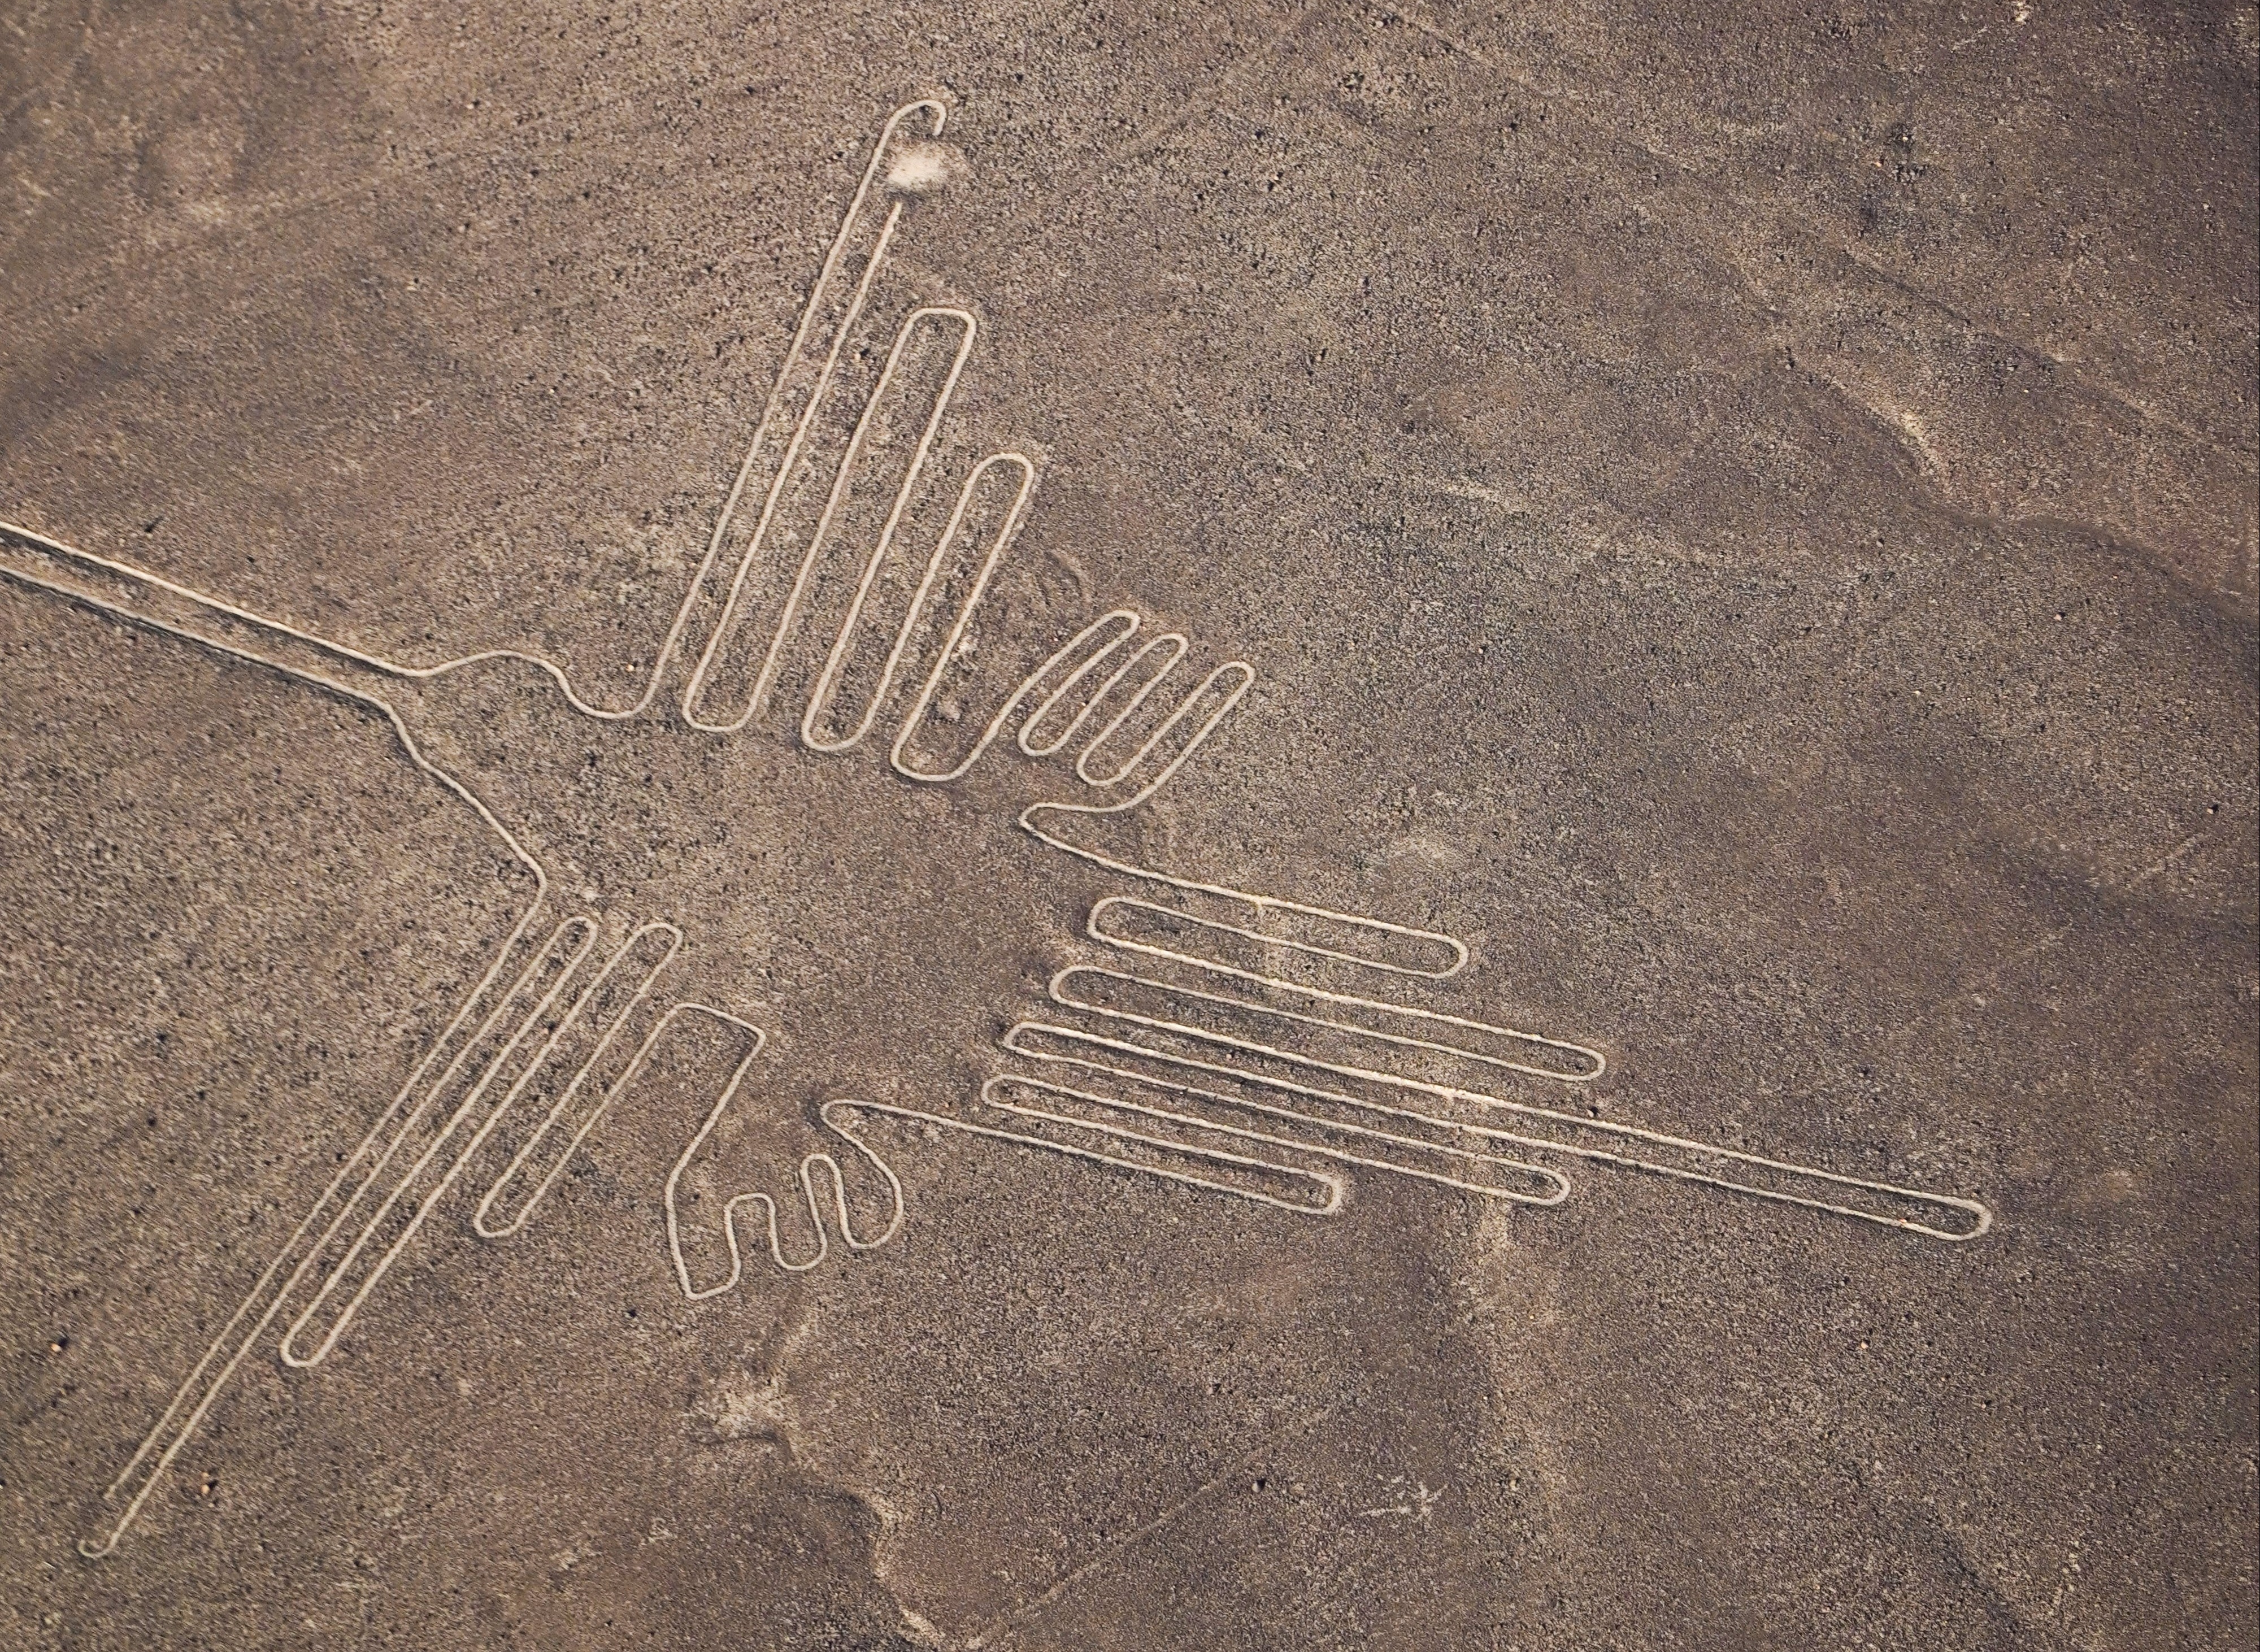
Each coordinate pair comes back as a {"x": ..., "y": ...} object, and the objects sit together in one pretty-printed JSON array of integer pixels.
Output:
[{"x": 1662, "y": 1049}]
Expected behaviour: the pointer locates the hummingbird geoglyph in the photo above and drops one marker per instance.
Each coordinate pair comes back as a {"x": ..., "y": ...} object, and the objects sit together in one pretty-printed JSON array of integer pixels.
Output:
[{"x": 859, "y": 642}]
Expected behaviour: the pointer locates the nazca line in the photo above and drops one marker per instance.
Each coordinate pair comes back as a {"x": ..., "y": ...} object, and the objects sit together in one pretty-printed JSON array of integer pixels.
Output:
[
  {"x": 1094, "y": 688},
  {"x": 414, "y": 1134},
  {"x": 1182, "y": 1087},
  {"x": 476, "y": 1064},
  {"x": 489, "y": 1053}
]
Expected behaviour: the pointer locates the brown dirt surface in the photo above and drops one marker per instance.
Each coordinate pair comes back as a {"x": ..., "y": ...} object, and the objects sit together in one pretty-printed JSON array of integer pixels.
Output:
[{"x": 1746, "y": 517}]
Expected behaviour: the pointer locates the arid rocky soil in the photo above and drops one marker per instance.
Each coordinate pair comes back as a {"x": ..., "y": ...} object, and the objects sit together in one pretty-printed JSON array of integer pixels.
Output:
[{"x": 1746, "y": 518}]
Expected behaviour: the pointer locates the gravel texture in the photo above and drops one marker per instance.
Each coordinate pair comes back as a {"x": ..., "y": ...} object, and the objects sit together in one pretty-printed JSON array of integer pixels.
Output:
[{"x": 1747, "y": 518}]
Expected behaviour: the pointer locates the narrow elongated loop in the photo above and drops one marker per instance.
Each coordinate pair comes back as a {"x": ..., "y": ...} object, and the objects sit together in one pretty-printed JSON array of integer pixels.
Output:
[
  {"x": 819, "y": 699},
  {"x": 796, "y": 593},
  {"x": 1332, "y": 1073},
  {"x": 1115, "y": 627},
  {"x": 1171, "y": 648},
  {"x": 1579, "y": 1064},
  {"x": 906, "y": 635},
  {"x": 1330, "y": 1188},
  {"x": 584, "y": 930},
  {"x": 480, "y": 1222},
  {"x": 1198, "y": 1113},
  {"x": 774, "y": 413},
  {"x": 1029, "y": 745}
]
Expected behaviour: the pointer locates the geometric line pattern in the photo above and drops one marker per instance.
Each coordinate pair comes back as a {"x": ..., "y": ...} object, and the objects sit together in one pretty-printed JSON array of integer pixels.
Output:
[{"x": 1231, "y": 1043}]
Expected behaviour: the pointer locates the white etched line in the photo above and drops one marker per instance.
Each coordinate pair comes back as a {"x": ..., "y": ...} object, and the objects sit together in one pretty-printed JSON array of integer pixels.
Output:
[
  {"x": 1063, "y": 993},
  {"x": 481, "y": 1222},
  {"x": 781, "y": 478},
  {"x": 809, "y": 1167},
  {"x": 1313, "y": 1140},
  {"x": 1825, "y": 1184},
  {"x": 1122, "y": 623},
  {"x": 1170, "y": 647},
  {"x": 465, "y": 1111},
  {"x": 906, "y": 635},
  {"x": 1592, "y": 1064},
  {"x": 208, "y": 1379},
  {"x": 1330, "y": 1186},
  {"x": 1081, "y": 705},
  {"x": 820, "y": 699}
]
